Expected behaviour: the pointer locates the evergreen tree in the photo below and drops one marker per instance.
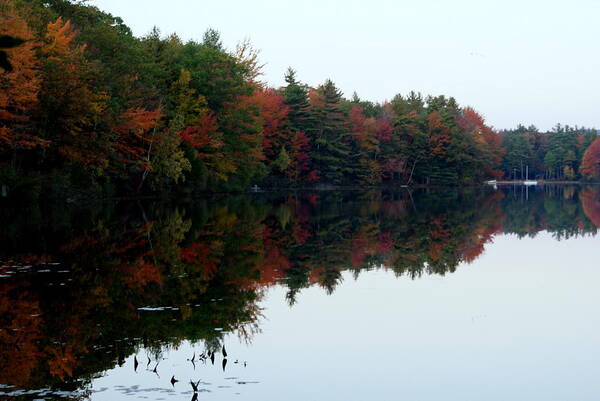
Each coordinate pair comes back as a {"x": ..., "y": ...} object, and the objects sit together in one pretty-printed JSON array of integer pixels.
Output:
[
  {"x": 300, "y": 116},
  {"x": 331, "y": 140}
]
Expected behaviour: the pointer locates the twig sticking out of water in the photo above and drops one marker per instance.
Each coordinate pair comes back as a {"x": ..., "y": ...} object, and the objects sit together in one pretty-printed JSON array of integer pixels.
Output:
[{"x": 194, "y": 385}]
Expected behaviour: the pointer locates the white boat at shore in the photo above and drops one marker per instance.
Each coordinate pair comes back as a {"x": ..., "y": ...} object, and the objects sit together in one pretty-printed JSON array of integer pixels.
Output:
[{"x": 527, "y": 180}]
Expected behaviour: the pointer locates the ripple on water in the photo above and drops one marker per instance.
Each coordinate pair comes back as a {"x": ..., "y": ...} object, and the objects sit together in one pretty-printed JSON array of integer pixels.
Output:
[
  {"x": 157, "y": 308},
  {"x": 44, "y": 392}
]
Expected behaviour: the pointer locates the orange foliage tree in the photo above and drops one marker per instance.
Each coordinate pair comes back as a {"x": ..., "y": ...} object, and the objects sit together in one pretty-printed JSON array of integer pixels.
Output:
[
  {"x": 71, "y": 110},
  {"x": 18, "y": 89},
  {"x": 489, "y": 143},
  {"x": 439, "y": 134}
]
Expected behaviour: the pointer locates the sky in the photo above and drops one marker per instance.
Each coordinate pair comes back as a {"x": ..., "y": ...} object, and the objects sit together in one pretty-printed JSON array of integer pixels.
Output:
[{"x": 515, "y": 61}]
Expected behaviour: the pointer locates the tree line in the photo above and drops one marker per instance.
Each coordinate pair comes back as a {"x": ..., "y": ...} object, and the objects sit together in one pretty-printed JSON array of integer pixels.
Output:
[
  {"x": 87, "y": 105},
  {"x": 563, "y": 153}
]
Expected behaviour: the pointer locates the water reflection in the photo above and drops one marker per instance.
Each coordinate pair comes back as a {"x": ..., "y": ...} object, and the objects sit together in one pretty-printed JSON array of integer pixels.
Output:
[{"x": 85, "y": 290}]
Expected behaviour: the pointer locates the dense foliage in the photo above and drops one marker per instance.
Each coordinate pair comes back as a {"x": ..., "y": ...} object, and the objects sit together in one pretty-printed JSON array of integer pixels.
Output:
[
  {"x": 554, "y": 155},
  {"x": 88, "y": 106}
]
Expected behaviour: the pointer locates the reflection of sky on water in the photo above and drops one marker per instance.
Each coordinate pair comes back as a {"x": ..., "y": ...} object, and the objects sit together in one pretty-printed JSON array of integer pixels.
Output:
[{"x": 520, "y": 323}]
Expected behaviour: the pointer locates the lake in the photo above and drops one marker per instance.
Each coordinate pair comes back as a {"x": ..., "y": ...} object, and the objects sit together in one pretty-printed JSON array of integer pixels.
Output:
[{"x": 478, "y": 294}]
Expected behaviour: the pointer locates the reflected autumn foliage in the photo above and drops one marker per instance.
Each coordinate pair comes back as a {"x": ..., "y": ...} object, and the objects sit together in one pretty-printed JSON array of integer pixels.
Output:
[
  {"x": 590, "y": 198},
  {"x": 81, "y": 289}
]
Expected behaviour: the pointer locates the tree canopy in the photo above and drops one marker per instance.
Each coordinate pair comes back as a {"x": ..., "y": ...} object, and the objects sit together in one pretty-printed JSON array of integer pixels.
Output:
[{"x": 86, "y": 105}]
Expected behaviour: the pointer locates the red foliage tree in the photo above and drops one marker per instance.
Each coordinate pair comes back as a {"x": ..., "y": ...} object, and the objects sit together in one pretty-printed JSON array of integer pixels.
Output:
[
  {"x": 364, "y": 129},
  {"x": 273, "y": 113},
  {"x": 134, "y": 137},
  {"x": 384, "y": 130},
  {"x": 301, "y": 168},
  {"x": 590, "y": 165},
  {"x": 203, "y": 134}
]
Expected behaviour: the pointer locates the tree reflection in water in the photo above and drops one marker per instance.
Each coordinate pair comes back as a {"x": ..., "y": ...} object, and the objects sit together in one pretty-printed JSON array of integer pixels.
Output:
[{"x": 77, "y": 285}]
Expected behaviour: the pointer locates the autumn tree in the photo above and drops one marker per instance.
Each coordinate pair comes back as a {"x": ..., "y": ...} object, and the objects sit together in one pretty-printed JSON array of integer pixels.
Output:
[
  {"x": 135, "y": 135},
  {"x": 366, "y": 145},
  {"x": 19, "y": 88},
  {"x": 590, "y": 165},
  {"x": 301, "y": 168},
  {"x": 488, "y": 144},
  {"x": 71, "y": 110},
  {"x": 274, "y": 112}
]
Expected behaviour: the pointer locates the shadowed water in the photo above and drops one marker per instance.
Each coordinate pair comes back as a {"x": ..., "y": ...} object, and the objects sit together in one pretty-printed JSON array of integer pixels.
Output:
[{"x": 423, "y": 295}]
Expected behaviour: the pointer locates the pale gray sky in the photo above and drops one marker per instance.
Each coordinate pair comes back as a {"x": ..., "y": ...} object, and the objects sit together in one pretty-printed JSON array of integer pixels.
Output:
[{"x": 530, "y": 61}]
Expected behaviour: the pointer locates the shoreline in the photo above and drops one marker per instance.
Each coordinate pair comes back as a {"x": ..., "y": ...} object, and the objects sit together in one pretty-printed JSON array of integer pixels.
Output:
[
  {"x": 79, "y": 198},
  {"x": 543, "y": 182}
]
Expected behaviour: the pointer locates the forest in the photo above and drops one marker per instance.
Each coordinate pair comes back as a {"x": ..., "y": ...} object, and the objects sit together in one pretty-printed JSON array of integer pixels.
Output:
[{"x": 88, "y": 108}]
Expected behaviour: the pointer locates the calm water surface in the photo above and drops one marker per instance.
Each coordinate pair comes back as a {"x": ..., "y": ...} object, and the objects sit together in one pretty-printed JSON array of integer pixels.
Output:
[{"x": 425, "y": 295}]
